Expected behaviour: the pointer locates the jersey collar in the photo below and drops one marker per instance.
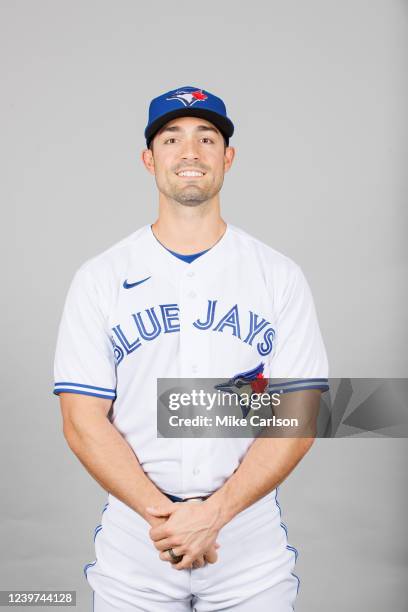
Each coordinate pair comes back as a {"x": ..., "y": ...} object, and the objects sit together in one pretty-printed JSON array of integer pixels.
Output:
[{"x": 165, "y": 263}]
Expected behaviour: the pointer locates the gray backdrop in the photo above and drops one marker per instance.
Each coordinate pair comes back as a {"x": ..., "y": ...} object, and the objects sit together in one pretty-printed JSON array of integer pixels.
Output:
[{"x": 318, "y": 93}]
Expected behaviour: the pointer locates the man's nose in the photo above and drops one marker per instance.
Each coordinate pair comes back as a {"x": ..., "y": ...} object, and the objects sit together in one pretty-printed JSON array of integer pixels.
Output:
[{"x": 190, "y": 150}]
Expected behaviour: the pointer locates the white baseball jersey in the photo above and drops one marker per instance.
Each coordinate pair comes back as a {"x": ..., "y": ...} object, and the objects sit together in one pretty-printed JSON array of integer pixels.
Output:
[{"x": 135, "y": 313}]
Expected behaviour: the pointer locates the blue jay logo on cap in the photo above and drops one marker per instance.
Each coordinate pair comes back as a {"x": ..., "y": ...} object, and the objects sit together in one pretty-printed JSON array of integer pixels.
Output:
[
  {"x": 187, "y": 100},
  {"x": 188, "y": 97}
]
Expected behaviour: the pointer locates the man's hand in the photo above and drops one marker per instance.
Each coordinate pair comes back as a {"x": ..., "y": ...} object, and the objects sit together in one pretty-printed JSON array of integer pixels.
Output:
[
  {"x": 190, "y": 530},
  {"x": 210, "y": 556}
]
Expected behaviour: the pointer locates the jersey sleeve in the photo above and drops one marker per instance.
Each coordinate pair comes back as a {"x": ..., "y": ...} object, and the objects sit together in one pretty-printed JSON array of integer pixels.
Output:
[
  {"x": 84, "y": 357},
  {"x": 299, "y": 353}
]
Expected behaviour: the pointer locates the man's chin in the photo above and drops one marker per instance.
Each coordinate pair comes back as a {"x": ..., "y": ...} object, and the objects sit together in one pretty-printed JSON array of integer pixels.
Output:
[
  {"x": 190, "y": 202},
  {"x": 191, "y": 197}
]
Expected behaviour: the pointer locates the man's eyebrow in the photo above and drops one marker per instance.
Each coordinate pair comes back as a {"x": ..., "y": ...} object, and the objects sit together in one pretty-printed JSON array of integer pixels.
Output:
[{"x": 177, "y": 128}]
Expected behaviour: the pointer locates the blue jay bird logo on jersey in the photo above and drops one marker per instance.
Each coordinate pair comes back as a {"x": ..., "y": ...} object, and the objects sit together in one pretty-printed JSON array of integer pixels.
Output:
[
  {"x": 188, "y": 96},
  {"x": 251, "y": 378}
]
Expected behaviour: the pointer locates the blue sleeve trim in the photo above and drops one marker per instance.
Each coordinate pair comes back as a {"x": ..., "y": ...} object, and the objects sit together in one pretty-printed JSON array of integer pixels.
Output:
[
  {"x": 72, "y": 384},
  {"x": 78, "y": 391},
  {"x": 71, "y": 387},
  {"x": 285, "y": 390},
  {"x": 300, "y": 385},
  {"x": 299, "y": 380},
  {"x": 287, "y": 383}
]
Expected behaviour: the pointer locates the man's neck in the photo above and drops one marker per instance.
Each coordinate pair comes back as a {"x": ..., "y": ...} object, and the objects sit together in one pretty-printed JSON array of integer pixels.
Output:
[{"x": 189, "y": 233}]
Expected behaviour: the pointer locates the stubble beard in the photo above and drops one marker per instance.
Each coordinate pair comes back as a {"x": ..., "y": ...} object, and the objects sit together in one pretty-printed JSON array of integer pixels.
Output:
[{"x": 193, "y": 195}]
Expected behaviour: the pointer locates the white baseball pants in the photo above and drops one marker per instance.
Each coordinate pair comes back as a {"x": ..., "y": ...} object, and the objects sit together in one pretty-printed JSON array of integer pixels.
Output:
[{"x": 254, "y": 570}]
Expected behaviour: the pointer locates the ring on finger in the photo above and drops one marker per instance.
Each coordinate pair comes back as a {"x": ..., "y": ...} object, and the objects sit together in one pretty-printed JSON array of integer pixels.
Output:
[{"x": 174, "y": 558}]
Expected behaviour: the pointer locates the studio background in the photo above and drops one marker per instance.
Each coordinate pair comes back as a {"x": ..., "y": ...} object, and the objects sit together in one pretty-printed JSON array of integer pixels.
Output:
[{"x": 318, "y": 95}]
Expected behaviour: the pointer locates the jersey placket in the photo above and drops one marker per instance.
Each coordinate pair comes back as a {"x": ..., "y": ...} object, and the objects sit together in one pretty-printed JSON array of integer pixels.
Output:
[
  {"x": 192, "y": 360},
  {"x": 191, "y": 281}
]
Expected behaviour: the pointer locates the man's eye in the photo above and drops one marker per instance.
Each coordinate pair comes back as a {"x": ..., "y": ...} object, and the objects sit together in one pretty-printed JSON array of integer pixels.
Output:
[{"x": 174, "y": 140}]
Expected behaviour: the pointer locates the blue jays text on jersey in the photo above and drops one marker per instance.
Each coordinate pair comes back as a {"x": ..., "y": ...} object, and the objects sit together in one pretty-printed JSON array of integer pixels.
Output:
[{"x": 249, "y": 327}]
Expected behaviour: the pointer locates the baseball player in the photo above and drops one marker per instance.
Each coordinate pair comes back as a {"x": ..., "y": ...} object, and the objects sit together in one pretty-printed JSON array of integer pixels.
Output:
[{"x": 189, "y": 523}]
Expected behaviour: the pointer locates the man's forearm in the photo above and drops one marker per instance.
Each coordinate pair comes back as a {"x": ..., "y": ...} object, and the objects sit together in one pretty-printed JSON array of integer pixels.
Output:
[
  {"x": 112, "y": 463},
  {"x": 270, "y": 460},
  {"x": 267, "y": 463}
]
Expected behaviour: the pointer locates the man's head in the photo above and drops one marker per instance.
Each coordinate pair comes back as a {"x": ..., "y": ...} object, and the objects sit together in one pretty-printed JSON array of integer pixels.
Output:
[
  {"x": 188, "y": 144},
  {"x": 188, "y": 129}
]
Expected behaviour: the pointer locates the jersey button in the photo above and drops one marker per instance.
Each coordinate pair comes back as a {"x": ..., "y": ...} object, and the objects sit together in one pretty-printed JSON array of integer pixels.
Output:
[
  {"x": 192, "y": 294},
  {"x": 194, "y": 368},
  {"x": 196, "y": 471},
  {"x": 190, "y": 273}
]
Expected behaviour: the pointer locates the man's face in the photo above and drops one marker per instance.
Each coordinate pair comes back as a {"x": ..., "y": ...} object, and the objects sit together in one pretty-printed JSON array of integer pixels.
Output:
[{"x": 189, "y": 144}]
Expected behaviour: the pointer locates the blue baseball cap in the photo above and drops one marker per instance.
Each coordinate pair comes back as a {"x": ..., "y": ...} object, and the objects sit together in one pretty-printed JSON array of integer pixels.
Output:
[{"x": 184, "y": 101}]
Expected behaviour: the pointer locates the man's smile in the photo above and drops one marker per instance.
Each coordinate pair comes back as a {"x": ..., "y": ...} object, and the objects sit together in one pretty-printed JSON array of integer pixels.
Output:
[{"x": 190, "y": 174}]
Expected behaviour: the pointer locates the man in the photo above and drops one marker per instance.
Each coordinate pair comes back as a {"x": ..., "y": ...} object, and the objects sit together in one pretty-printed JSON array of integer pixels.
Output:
[{"x": 189, "y": 523}]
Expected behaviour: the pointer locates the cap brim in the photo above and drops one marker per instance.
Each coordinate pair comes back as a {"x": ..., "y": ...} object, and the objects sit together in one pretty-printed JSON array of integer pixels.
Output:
[{"x": 224, "y": 124}]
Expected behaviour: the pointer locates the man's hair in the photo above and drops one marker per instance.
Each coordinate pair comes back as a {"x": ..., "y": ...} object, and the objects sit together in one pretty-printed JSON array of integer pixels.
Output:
[{"x": 151, "y": 144}]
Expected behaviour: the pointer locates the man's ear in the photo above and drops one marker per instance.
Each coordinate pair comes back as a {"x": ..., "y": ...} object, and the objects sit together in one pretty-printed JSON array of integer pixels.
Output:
[
  {"x": 229, "y": 156},
  {"x": 148, "y": 160}
]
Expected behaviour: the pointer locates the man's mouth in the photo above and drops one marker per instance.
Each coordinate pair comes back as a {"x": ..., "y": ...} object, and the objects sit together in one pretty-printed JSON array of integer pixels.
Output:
[{"x": 190, "y": 173}]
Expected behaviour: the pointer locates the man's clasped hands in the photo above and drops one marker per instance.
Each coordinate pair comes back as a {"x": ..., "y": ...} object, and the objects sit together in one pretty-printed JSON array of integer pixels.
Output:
[{"x": 189, "y": 528}]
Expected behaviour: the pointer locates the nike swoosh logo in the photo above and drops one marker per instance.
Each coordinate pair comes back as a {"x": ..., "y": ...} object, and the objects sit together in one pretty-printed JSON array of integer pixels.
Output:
[{"x": 127, "y": 285}]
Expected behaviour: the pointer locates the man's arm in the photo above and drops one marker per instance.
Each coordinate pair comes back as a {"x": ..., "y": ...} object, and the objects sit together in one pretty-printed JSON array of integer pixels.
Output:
[
  {"x": 269, "y": 460},
  {"x": 266, "y": 464},
  {"x": 104, "y": 452},
  {"x": 110, "y": 460}
]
